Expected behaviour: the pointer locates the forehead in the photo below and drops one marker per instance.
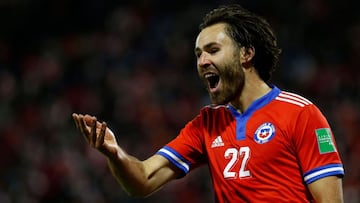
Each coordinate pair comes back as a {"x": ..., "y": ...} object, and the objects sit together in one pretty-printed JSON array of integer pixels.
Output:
[{"x": 213, "y": 34}]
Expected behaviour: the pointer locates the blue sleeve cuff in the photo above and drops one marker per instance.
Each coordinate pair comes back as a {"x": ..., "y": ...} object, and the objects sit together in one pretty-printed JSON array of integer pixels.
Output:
[
  {"x": 324, "y": 171},
  {"x": 175, "y": 158}
]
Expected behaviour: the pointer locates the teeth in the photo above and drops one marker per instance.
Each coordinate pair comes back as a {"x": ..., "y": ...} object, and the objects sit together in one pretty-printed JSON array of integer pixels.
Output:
[
  {"x": 208, "y": 75},
  {"x": 212, "y": 79}
]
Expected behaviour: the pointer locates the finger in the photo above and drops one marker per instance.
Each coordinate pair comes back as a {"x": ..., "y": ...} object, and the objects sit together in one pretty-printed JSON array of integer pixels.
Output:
[
  {"x": 83, "y": 129},
  {"x": 77, "y": 121},
  {"x": 93, "y": 134},
  {"x": 100, "y": 140},
  {"x": 76, "y": 118}
]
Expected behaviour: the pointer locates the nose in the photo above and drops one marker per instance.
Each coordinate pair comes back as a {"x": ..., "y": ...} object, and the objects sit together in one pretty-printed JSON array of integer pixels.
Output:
[{"x": 203, "y": 60}]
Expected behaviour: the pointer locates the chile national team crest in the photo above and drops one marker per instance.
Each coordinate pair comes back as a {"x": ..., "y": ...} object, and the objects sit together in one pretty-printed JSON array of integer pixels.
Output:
[{"x": 264, "y": 133}]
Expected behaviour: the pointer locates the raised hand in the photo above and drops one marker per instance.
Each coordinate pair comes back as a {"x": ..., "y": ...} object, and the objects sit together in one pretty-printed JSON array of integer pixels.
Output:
[{"x": 97, "y": 134}]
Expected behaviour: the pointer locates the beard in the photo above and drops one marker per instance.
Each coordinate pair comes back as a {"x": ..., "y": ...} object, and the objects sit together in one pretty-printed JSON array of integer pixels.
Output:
[{"x": 231, "y": 83}]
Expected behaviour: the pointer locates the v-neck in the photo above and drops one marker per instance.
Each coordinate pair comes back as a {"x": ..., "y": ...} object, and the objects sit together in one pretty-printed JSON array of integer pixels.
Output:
[{"x": 242, "y": 118}]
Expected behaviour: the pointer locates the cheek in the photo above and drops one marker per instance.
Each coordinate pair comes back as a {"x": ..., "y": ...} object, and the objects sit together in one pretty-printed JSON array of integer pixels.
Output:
[
  {"x": 198, "y": 69},
  {"x": 234, "y": 71},
  {"x": 234, "y": 77},
  {"x": 199, "y": 73}
]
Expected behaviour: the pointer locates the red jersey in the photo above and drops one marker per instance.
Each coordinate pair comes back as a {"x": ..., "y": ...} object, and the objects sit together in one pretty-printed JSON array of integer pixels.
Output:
[{"x": 281, "y": 143}]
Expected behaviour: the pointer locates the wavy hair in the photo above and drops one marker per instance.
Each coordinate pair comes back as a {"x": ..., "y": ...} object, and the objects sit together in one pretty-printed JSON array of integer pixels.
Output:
[{"x": 250, "y": 31}]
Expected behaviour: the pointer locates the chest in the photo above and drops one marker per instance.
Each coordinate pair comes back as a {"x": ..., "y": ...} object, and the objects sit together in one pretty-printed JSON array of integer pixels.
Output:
[{"x": 238, "y": 147}]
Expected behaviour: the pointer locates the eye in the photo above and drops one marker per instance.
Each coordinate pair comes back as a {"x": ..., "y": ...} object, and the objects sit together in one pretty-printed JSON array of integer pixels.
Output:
[
  {"x": 197, "y": 54},
  {"x": 213, "y": 50}
]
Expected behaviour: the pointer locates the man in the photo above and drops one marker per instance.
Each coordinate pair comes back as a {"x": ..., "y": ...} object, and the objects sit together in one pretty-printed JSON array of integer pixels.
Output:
[{"x": 261, "y": 144}]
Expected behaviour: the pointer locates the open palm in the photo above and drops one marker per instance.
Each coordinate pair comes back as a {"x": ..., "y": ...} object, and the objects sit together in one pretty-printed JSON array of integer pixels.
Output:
[{"x": 97, "y": 134}]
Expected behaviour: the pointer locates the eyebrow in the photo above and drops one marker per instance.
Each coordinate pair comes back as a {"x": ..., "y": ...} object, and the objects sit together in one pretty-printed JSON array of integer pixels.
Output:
[{"x": 207, "y": 46}]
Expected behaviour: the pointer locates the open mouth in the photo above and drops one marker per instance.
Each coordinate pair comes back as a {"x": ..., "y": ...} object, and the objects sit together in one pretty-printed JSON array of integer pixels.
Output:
[{"x": 213, "y": 80}]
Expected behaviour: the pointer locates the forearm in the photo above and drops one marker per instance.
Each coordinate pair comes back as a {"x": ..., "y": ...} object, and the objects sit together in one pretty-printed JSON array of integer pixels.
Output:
[
  {"x": 130, "y": 173},
  {"x": 138, "y": 178},
  {"x": 327, "y": 190},
  {"x": 141, "y": 178}
]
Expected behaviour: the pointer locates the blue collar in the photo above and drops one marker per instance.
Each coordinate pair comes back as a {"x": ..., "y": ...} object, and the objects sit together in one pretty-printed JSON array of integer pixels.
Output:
[{"x": 242, "y": 118}]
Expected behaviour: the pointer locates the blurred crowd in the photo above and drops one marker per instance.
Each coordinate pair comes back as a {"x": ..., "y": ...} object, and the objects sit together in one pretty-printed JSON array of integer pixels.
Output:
[{"x": 132, "y": 65}]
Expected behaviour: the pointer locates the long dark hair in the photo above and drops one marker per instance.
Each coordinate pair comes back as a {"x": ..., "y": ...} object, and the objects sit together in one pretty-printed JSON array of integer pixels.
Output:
[{"x": 248, "y": 30}]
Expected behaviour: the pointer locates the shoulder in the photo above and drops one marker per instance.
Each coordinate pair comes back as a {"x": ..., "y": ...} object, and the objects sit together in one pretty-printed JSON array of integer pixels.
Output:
[
  {"x": 289, "y": 104},
  {"x": 293, "y": 99},
  {"x": 297, "y": 107},
  {"x": 212, "y": 113}
]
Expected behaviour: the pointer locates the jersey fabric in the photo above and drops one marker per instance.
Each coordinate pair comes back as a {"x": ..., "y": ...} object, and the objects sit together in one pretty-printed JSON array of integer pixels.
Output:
[{"x": 270, "y": 152}]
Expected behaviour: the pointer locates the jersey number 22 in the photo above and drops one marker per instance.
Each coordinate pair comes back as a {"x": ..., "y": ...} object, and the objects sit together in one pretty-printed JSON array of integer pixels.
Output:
[{"x": 234, "y": 155}]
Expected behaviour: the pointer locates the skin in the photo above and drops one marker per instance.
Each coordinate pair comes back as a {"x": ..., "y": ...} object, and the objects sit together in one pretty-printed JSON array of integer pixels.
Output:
[{"x": 239, "y": 84}]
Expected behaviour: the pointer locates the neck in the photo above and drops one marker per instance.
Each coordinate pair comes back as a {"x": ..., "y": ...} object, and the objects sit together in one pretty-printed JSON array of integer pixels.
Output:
[{"x": 253, "y": 89}]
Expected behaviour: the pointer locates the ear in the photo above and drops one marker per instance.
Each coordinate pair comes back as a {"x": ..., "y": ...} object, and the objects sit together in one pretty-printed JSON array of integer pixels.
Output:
[{"x": 246, "y": 54}]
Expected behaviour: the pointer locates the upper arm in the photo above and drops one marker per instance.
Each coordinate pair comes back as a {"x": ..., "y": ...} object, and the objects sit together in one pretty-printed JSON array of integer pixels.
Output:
[
  {"x": 176, "y": 158},
  {"x": 315, "y": 146},
  {"x": 319, "y": 157},
  {"x": 328, "y": 189}
]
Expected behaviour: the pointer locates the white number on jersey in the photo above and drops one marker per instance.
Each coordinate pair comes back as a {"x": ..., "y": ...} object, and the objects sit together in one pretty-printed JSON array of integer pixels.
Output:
[{"x": 235, "y": 156}]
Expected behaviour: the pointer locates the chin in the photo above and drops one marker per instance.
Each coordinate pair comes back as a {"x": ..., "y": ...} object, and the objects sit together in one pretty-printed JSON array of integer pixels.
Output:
[
  {"x": 219, "y": 98},
  {"x": 217, "y": 101}
]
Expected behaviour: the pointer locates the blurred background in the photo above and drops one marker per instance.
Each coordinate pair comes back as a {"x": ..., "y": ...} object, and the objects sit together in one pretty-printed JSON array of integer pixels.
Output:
[{"x": 131, "y": 63}]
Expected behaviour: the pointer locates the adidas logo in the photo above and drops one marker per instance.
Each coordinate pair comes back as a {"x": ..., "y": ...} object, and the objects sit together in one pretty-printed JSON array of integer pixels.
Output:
[{"x": 217, "y": 142}]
